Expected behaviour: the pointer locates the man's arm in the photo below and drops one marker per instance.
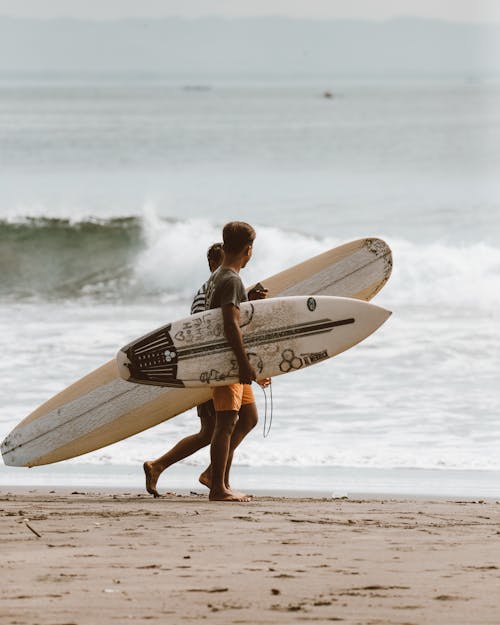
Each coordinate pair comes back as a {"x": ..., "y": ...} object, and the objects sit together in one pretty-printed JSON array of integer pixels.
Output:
[{"x": 231, "y": 317}]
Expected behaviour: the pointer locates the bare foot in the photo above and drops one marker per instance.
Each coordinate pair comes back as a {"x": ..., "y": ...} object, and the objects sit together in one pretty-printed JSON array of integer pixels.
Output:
[
  {"x": 206, "y": 478},
  {"x": 151, "y": 478},
  {"x": 227, "y": 495}
]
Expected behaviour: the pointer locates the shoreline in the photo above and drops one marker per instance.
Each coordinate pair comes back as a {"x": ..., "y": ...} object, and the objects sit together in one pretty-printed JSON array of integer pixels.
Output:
[
  {"x": 85, "y": 557},
  {"x": 201, "y": 494},
  {"x": 322, "y": 481}
]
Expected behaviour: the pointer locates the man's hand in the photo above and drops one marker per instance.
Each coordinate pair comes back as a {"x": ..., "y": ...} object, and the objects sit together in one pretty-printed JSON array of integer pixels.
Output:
[
  {"x": 257, "y": 292},
  {"x": 247, "y": 373},
  {"x": 264, "y": 382}
]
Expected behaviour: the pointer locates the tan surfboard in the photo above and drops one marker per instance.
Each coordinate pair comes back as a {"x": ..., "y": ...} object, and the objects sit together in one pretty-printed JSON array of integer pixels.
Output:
[{"x": 102, "y": 408}]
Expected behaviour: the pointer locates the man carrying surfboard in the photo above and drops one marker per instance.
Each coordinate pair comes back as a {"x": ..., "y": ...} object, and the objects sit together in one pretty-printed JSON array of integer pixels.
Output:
[{"x": 236, "y": 412}]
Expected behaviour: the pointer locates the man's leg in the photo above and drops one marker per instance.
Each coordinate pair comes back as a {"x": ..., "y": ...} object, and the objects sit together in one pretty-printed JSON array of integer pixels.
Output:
[
  {"x": 247, "y": 420},
  {"x": 219, "y": 451},
  {"x": 184, "y": 448}
]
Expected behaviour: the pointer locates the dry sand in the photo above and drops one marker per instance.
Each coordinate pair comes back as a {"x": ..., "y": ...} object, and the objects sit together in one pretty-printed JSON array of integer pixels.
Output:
[{"x": 104, "y": 558}]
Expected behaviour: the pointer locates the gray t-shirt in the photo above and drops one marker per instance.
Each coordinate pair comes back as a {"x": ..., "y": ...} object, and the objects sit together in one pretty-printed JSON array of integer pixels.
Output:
[{"x": 224, "y": 287}]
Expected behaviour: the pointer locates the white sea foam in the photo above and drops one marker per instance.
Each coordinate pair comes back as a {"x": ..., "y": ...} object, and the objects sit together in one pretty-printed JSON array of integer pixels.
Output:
[
  {"x": 419, "y": 393},
  {"x": 464, "y": 277},
  {"x": 174, "y": 259},
  {"x": 460, "y": 277}
]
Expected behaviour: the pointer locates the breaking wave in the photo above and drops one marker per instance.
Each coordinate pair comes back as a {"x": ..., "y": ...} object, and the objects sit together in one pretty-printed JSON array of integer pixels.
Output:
[{"x": 133, "y": 258}]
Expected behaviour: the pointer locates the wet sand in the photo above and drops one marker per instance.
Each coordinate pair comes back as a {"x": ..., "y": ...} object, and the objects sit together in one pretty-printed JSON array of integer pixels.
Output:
[{"x": 89, "y": 557}]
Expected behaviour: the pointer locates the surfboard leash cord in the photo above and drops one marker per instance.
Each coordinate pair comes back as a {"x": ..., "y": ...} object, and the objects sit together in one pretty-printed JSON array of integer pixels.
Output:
[{"x": 268, "y": 429}]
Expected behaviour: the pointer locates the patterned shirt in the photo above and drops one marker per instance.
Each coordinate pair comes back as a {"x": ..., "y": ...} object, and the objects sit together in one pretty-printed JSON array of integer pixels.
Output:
[{"x": 199, "y": 302}]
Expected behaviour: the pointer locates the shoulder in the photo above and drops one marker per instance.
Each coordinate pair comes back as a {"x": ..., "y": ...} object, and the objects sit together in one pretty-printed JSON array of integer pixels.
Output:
[
  {"x": 231, "y": 281},
  {"x": 223, "y": 277},
  {"x": 232, "y": 278}
]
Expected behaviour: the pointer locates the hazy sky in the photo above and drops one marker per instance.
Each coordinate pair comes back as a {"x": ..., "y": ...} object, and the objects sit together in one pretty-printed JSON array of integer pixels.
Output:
[{"x": 462, "y": 10}]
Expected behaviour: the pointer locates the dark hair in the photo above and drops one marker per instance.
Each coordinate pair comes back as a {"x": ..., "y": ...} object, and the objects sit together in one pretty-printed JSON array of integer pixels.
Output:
[
  {"x": 237, "y": 235},
  {"x": 215, "y": 253}
]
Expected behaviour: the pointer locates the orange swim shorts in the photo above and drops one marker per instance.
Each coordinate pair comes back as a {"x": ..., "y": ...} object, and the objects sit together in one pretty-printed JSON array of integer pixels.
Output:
[{"x": 232, "y": 397}]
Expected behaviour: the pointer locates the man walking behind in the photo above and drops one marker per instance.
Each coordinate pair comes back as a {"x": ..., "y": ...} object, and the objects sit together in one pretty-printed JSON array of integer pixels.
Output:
[{"x": 194, "y": 442}]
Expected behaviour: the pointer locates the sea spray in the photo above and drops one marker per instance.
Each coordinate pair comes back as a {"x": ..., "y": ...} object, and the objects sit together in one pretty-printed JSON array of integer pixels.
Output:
[{"x": 173, "y": 259}]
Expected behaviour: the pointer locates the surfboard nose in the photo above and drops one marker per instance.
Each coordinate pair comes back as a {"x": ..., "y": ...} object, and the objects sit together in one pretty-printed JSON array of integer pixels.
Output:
[
  {"x": 123, "y": 364},
  {"x": 379, "y": 315}
]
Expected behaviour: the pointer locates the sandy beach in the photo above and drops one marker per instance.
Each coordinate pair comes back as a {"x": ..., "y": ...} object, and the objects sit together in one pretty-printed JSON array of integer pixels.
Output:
[{"x": 87, "y": 557}]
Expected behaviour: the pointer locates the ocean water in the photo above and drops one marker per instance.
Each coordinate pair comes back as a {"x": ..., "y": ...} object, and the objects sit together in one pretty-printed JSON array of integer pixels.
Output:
[{"x": 111, "y": 191}]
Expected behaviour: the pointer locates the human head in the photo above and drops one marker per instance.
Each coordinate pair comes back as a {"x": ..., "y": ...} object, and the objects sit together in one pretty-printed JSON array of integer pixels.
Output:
[
  {"x": 215, "y": 254},
  {"x": 238, "y": 237}
]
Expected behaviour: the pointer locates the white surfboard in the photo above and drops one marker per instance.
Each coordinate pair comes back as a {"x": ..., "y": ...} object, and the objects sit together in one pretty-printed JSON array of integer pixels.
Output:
[
  {"x": 102, "y": 408},
  {"x": 280, "y": 335}
]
